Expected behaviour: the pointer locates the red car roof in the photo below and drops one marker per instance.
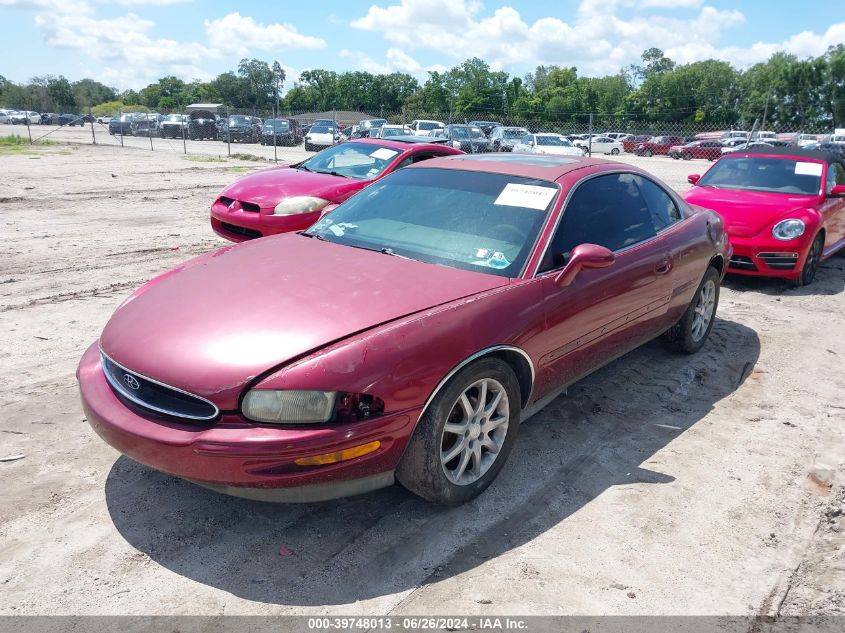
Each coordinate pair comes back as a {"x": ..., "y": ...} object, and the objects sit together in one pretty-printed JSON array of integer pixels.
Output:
[
  {"x": 400, "y": 146},
  {"x": 526, "y": 165}
]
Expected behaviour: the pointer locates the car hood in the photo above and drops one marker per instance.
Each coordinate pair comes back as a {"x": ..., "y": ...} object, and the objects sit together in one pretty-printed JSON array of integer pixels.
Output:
[
  {"x": 216, "y": 323},
  {"x": 746, "y": 213},
  {"x": 268, "y": 187}
]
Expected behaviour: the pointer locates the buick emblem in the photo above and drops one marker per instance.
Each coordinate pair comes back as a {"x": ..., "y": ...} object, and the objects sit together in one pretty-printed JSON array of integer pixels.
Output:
[{"x": 130, "y": 381}]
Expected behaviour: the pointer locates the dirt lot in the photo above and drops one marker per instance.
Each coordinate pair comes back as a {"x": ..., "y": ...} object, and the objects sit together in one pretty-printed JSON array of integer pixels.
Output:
[{"x": 660, "y": 485}]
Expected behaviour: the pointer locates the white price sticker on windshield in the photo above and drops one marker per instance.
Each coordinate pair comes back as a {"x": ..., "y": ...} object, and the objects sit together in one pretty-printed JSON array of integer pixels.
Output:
[
  {"x": 382, "y": 153},
  {"x": 526, "y": 196},
  {"x": 808, "y": 169}
]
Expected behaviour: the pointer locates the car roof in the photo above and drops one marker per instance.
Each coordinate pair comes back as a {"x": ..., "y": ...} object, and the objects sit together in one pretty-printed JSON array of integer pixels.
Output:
[
  {"x": 795, "y": 152},
  {"x": 400, "y": 142},
  {"x": 543, "y": 167}
]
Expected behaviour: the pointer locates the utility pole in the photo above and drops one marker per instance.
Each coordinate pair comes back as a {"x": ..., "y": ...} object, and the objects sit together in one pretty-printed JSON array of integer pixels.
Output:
[{"x": 766, "y": 110}]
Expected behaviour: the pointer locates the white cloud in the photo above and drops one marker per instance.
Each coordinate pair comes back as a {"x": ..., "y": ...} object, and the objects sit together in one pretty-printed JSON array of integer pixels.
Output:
[
  {"x": 604, "y": 36},
  {"x": 54, "y": 6},
  {"x": 396, "y": 61},
  {"x": 154, "y": 3},
  {"x": 127, "y": 54},
  {"x": 235, "y": 33}
]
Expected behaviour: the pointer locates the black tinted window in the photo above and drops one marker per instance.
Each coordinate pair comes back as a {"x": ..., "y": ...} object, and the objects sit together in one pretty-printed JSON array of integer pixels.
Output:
[
  {"x": 609, "y": 211},
  {"x": 663, "y": 209}
]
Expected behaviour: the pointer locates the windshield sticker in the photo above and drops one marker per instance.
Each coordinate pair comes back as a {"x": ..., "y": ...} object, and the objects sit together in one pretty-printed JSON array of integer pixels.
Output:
[
  {"x": 526, "y": 196},
  {"x": 497, "y": 260},
  {"x": 808, "y": 169},
  {"x": 382, "y": 153},
  {"x": 336, "y": 229}
]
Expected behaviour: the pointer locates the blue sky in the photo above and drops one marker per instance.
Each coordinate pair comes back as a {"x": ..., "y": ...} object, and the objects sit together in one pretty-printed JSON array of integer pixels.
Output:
[{"x": 129, "y": 43}]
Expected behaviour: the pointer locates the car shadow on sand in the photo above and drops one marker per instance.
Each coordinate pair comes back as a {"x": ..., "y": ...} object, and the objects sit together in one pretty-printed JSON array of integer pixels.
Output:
[
  {"x": 597, "y": 436},
  {"x": 830, "y": 280}
]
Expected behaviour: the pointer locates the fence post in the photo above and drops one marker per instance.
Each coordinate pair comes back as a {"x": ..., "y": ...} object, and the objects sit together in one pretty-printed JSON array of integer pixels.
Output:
[
  {"x": 93, "y": 136},
  {"x": 275, "y": 112},
  {"x": 28, "y": 130},
  {"x": 150, "y": 131},
  {"x": 182, "y": 125},
  {"x": 120, "y": 120},
  {"x": 590, "y": 137},
  {"x": 228, "y": 134}
]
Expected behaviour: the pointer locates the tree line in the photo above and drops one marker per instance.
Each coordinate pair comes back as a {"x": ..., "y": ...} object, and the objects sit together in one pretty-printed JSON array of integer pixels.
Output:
[{"x": 784, "y": 91}]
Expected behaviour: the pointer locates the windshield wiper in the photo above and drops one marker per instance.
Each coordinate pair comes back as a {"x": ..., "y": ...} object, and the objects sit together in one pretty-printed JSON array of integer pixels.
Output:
[
  {"x": 384, "y": 250},
  {"x": 303, "y": 167},
  {"x": 330, "y": 173},
  {"x": 314, "y": 235}
]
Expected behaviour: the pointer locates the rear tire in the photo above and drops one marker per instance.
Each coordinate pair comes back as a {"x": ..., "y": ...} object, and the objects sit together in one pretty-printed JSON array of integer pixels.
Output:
[
  {"x": 690, "y": 333},
  {"x": 648, "y": 153},
  {"x": 465, "y": 435},
  {"x": 614, "y": 151}
]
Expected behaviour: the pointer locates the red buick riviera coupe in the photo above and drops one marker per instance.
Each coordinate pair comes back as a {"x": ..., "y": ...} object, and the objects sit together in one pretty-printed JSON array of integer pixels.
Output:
[
  {"x": 283, "y": 199},
  {"x": 784, "y": 209},
  {"x": 407, "y": 334}
]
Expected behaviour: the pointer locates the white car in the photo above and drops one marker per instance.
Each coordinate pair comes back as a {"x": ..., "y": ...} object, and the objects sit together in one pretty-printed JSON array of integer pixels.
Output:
[
  {"x": 742, "y": 147},
  {"x": 4, "y": 116},
  {"x": 386, "y": 131},
  {"x": 617, "y": 136},
  {"x": 425, "y": 127},
  {"x": 802, "y": 140},
  {"x": 320, "y": 137},
  {"x": 727, "y": 136},
  {"x": 26, "y": 117},
  {"x": 601, "y": 145},
  {"x": 547, "y": 143}
]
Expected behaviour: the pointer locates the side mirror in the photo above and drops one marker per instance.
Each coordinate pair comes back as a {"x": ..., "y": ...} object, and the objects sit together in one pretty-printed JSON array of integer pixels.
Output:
[
  {"x": 838, "y": 191},
  {"x": 693, "y": 178},
  {"x": 531, "y": 143},
  {"x": 582, "y": 257}
]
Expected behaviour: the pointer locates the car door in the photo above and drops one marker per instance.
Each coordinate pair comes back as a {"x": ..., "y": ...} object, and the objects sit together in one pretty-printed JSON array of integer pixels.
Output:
[
  {"x": 604, "y": 312},
  {"x": 833, "y": 209}
]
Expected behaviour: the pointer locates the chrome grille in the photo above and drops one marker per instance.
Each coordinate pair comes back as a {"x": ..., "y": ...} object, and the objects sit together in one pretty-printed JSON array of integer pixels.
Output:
[
  {"x": 779, "y": 261},
  {"x": 151, "y": 395}
]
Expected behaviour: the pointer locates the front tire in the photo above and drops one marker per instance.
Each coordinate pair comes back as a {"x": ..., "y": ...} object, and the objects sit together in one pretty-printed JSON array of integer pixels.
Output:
[
  {"x": 811, "y": 264},
  {"x": 648, "y": 153},
  {"x": 465, "y": 435},
  {"x": 690, "y": 333}
]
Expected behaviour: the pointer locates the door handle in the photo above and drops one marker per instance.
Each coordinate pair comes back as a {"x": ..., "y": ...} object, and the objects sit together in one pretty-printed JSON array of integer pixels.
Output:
[{"x": 663, "y": 266}]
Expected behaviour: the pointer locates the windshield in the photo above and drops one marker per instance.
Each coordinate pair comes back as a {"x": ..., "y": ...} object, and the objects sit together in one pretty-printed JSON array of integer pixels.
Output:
[
  {"x": 239, "y": 120},
  {"x": 427, "y": 125},
  {"x": 361, "y": 161},
  {"x": 467, "y": 132},
  {"x": 774, "y": 175},
  {"x": 392, "y": 131},
  {"x": 515, "y": 133},
  {"x": 470, "y": 220},
  {"x": 323, "y": 123},
  {"x": 281, "y": 126},
  {"x": 174, "y": 117},
  {"x": 553, "y": 140},
  {"x": 321, "y": 129}
]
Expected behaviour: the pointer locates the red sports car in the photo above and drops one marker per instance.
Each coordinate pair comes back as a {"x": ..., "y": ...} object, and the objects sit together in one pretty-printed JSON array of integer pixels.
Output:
[
  {"x": 657, "y": 145},
  {"x": 405, "y": 335},
  {"x": 711, "y": 150},
  {"x": 282, "y": 199},
  {"x": 784, "y": 209}
]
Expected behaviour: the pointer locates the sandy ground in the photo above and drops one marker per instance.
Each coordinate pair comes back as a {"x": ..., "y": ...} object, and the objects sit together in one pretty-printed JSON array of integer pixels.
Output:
[{"x": 661, "y": 484}]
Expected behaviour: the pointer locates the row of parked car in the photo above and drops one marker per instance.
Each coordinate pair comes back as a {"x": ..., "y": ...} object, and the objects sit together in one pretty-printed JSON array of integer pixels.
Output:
[
  {"x": 425, "y": 301},
  {"x": 28, "y": 117}
]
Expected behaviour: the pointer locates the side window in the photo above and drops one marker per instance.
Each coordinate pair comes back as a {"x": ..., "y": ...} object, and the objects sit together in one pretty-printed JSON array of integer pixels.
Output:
[
  {"x": 663, "y": 209},
  {"x": 835, "y": 175},
  {"x": 525, "y": 140},
  {"x": 607, "y": 210}
]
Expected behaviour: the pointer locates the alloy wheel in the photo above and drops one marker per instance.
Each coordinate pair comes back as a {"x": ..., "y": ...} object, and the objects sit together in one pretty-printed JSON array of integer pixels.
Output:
[
  {"x": 474, "y": 432},
  {"x": 703, "y": 310}
]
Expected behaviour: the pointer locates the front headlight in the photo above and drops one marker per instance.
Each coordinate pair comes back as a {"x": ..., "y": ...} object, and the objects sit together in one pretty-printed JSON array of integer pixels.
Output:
[
  {"x": 788, "y": 229},
  {"x": 306, "y": 407},
  {"x": 299, "y": 204}
]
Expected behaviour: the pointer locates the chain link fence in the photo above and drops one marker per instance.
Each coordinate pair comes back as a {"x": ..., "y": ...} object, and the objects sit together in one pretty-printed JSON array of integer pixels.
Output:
[{"x": 284, "y": 136}]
